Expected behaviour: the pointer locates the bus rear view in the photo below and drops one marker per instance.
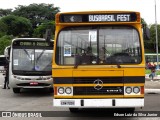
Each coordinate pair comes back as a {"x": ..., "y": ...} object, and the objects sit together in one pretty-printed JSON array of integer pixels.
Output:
[
  {"x": 30, "y": 64},
  {"x": 101, "y": 56}
]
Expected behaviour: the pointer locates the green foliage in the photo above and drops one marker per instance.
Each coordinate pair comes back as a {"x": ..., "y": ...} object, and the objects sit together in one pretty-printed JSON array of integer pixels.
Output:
[
  {"x": 149, "y": 51},
  {"x": 34, "y": 19},
  {"x": 26, "y": 20},
  {"x": 37, "y": 13},
  {"x": 143, "y": 21},
  {"x": 152, "y": 43},
  {"x": 41, "y": 29},
  {"x": 16, "y": 26},
  {"x": 4, "y": 42},
  {"x": 3, "y": 28},
  {"x": 5, "y": 12}
]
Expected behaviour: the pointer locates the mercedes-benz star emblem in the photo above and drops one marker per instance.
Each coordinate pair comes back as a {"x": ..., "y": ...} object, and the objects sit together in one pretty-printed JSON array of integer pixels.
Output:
[{"x": 98, "y": 84}]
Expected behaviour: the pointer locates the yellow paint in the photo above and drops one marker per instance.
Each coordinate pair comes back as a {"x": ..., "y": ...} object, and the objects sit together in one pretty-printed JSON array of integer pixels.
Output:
[
  {"x": 99, "y": 70},
  {"x": 99, "y": 96},
  {"x": 84, "y": 85}
]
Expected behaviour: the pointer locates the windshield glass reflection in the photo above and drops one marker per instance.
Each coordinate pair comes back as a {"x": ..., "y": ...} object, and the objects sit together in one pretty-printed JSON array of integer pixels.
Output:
[
  {"x": 32, "y": 59},
  {"x": 98, "y": 45}
]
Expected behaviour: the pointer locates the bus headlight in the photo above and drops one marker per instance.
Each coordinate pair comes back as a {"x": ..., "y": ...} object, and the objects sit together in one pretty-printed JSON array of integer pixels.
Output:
[
  {"x": 61, "y": 90},
  {"x": 136, "y": 90},
  {"x": 68, "y": 90},
  {"x": 128, "y": 90}
]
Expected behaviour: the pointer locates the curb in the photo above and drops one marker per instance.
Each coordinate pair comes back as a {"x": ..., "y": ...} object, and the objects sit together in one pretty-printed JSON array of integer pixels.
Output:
[
  {"x": 152, "y": 91},
  {"x": 156, "y": 79}
]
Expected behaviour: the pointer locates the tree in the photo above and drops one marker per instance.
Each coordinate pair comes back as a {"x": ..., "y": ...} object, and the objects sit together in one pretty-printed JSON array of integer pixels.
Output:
[
  {"x": 4, "y": 42},
  {"x": 41, "y": 29},
  {"x": 17, "y": 26},
  {"x": 5, "y": 12},
  {"x": 3, "y": 28},
  {"x": 148, "y": 44},
  {"x": 37, "y": 13},
  {"x": 153, "y": 36},
  {"x": 143, "y": 21}
]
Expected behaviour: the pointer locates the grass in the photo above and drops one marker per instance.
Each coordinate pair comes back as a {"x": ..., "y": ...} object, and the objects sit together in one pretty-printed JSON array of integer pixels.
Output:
[{"x": 148, "y": 71}]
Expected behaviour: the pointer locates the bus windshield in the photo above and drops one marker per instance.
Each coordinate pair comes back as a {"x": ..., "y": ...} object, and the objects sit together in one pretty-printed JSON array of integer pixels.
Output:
[
  {"x": 32, "y": 60},
  {"x": 98, "y": 45}
]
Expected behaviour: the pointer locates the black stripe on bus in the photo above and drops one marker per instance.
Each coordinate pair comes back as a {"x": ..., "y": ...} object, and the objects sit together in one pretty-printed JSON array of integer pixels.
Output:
[
  {"x": 135, "y": 79},
  {"x": 90, "y": 80}
]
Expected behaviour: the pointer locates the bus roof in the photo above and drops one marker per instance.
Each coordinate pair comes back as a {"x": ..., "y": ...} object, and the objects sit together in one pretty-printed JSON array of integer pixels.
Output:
[
  {"x": 95, "y": 12},
  {"x": 98, "y": 17}
]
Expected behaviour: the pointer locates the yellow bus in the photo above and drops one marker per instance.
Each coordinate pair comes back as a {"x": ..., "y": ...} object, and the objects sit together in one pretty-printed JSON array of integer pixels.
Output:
[{"x": 99, "y": 60}]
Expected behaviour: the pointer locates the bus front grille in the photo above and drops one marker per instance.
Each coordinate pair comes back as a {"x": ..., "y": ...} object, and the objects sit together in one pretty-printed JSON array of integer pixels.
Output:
[
  {"x": 90, "y": 80},
  {"x": 98, "y": 91},
  {"x": 28, "y": 84}
]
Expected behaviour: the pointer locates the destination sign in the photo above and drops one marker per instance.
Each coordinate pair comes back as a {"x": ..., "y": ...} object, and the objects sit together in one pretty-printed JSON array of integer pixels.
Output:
[
  {"x": 110, "y": 17},
  {"x": 32, "y": 43}
]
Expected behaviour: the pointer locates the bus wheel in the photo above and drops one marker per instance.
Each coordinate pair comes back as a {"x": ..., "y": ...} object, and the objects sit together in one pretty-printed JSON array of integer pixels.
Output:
[
  {"x": 16, "y": 90},
  {"x": 73, "y": 110},
  {"x": 51, "y": 90}
]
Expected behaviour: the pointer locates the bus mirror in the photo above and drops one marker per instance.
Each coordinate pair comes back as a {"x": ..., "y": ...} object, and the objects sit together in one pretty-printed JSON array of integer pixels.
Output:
[
  {"x": 3, "y": 61},
  {"x": 7, "y": 58},
  {"x": 48, "y": 35},
  {"x": 146, "y": 32}
]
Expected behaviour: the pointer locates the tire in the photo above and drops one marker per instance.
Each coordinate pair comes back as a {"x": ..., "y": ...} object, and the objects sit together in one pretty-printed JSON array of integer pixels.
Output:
[
  {"x": 51, "y": 90},
  {"x": 73, "y": 110},
  {"x": 16, "y": 90}
]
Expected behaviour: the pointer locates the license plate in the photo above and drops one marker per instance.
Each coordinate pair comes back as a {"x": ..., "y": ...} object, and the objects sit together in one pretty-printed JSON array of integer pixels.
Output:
[
  {"x": 67, "y": 103},
  {"x": 33, "y": 83}
]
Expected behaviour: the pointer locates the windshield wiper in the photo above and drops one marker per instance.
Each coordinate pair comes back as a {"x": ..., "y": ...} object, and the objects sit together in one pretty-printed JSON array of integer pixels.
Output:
[
  {"x": 27, "y": 54},
  {"x": 40, "y": 56},
  {"x": 106, "y": 51}
]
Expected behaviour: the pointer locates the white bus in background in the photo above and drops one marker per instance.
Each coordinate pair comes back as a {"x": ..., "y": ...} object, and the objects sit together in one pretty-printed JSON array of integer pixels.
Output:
[
  {"x": 7, "y": 52},
  {"x": 30, "y": 64}
]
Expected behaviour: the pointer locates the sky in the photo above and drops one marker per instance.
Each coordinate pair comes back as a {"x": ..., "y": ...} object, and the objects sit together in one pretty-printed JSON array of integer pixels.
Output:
[{"x": 145, "y": 7}]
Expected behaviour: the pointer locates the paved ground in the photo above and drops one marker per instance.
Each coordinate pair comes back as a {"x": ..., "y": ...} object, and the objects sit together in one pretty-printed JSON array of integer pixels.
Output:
[{"x": 152, "y": 84}]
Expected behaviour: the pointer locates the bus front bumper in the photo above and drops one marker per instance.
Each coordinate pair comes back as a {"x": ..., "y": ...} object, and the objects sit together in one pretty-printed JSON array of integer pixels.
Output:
[{"x": 102, "y": 103}]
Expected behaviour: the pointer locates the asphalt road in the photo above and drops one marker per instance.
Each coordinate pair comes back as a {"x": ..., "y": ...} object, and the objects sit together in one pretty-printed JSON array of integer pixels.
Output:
[{"x": 41, "y": 100}]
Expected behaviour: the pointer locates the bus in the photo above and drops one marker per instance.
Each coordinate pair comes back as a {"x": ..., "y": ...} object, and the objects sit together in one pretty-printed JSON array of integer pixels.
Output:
[
  {"x": 101, "y": 56},
  {"x": 30, "y": 64}
]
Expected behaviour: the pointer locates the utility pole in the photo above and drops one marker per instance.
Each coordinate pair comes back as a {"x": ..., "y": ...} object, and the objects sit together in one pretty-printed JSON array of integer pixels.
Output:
[{"x": 156, "y": 36}]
